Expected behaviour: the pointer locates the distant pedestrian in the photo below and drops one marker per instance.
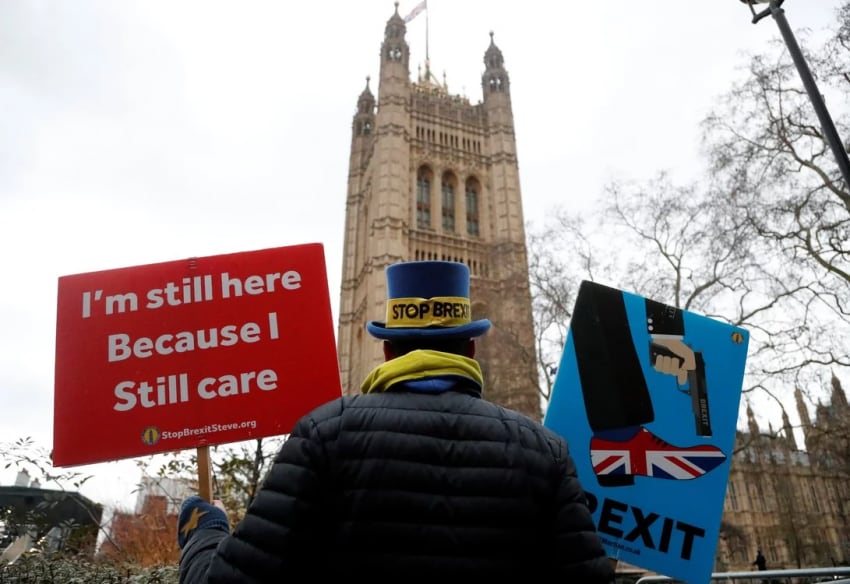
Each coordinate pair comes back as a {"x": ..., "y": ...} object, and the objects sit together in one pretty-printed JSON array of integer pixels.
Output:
[{"x": 760, "y": 561}]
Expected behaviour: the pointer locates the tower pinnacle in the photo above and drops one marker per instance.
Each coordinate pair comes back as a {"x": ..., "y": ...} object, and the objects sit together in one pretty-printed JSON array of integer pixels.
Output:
[
  {"x": 751, "y": 421},
  {"x": 495, "y": 80}
]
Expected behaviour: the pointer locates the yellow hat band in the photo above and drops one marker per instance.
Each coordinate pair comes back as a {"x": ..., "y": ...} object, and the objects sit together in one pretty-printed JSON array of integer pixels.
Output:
[{"x": 425, "y": 312}]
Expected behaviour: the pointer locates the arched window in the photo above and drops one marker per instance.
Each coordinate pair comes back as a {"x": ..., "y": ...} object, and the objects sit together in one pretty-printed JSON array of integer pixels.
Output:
[
  {"x": 448, "y": 201},
  {"x": 423, "y": 197},
  {"x": 472, "y": 221}
]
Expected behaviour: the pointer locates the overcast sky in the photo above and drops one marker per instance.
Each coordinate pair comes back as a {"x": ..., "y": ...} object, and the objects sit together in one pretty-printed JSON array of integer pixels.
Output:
[{"x": 135, "y": 132}]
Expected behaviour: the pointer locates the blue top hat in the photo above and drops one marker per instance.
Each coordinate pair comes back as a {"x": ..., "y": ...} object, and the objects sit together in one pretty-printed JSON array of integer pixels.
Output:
[{"x": 428, "y": 300}]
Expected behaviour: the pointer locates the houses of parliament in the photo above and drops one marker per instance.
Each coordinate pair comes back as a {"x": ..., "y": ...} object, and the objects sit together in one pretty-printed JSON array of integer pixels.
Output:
[
  {"x": 790, "y": 500},
  {"x": 434, "y": 176}
]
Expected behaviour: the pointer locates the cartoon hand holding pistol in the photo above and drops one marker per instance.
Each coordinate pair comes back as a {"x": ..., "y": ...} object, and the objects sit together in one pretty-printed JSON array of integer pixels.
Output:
[{"x": 678, "y": 358}]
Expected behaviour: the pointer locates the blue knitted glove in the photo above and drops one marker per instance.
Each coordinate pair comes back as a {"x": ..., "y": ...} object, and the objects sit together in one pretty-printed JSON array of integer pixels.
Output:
[{"x": 195, "y": 513}]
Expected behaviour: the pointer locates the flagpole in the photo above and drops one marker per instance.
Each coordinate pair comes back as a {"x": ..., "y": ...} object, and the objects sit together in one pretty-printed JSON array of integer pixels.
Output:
[
  {"x": 427, "y": 58},
  {"x": 426, "y": 31}
]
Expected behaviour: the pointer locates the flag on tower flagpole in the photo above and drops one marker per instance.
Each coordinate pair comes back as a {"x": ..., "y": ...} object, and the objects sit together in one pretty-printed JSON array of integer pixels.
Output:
[{"x": 416, "y": 10}]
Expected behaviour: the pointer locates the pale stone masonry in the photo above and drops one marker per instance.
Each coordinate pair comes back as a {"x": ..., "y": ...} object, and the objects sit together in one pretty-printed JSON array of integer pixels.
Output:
[
  {"x": 793, "y": 503},
  {"x": 432, "y": 176}
]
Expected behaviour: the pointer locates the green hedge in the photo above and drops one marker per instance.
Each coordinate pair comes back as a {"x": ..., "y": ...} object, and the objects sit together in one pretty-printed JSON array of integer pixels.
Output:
[{"x": 60, "y": 569}]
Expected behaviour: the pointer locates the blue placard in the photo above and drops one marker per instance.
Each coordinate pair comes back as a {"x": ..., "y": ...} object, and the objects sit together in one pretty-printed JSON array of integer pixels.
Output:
[{"x": 647, "y": 396}]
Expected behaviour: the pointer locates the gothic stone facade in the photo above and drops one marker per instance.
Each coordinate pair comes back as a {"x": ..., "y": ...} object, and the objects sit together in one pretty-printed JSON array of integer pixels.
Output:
[
  {"x": 793, "y": 504},
  {"x": 434, "y": 177}
]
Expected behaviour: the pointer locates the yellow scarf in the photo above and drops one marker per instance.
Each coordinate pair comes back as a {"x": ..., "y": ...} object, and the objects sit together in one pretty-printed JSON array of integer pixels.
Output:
[{"x": 420, "y": 364}]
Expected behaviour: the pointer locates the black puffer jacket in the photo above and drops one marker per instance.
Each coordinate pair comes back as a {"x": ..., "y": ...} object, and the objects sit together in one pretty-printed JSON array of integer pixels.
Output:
[{"x": 411, "y": 486}]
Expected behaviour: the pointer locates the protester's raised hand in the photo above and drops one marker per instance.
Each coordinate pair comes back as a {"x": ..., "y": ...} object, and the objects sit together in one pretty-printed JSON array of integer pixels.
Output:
[{"x": 196, "y": 513}]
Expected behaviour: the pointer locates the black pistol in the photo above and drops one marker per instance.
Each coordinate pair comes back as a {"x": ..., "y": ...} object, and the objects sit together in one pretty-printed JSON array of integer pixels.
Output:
[{"x": 697, "y": 387}]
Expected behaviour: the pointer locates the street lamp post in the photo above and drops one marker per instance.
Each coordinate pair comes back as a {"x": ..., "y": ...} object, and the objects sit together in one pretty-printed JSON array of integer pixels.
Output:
[{"x": 774, "y": 8}]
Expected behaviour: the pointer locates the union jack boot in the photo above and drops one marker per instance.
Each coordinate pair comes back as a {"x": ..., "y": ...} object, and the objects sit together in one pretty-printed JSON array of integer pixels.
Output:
[{"x": 617, "y": 462}]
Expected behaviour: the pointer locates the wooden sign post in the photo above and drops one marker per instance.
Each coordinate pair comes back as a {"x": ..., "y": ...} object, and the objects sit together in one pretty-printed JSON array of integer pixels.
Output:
[{"x": 205, "y": 486}]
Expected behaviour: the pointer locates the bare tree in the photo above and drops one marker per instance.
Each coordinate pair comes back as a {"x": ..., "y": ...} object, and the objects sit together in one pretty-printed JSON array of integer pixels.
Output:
[
  {"x": 761, "y": 241},
  {"x": 238, "y": 470},
  {"x": 767, "y": 152},
  {"x": 679, "y": 245},
  {"x": 556, "y": 252}
]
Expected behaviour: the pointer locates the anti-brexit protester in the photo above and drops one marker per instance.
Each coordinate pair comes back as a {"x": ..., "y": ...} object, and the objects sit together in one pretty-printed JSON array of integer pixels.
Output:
[{"x": 417, "y": 478}]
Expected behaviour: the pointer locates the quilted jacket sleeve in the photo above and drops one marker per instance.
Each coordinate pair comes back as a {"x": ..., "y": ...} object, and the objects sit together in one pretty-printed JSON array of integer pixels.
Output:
[
  {"x": 280, "y": 527},
  {"x": 196, "y": 557},
  {"x": 579, "y": 551}
]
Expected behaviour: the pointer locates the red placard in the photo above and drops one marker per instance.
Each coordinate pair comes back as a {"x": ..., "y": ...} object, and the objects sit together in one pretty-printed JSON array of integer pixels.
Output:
[{"x": 191, "y": 353}]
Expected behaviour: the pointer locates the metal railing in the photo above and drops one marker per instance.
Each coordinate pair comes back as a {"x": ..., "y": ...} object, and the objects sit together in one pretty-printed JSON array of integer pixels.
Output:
[{"x": 783, "y": 576}]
